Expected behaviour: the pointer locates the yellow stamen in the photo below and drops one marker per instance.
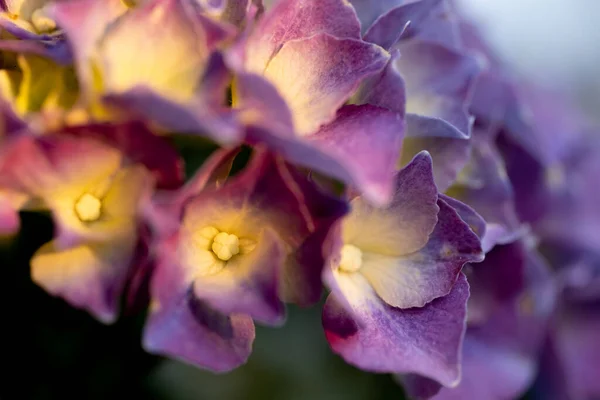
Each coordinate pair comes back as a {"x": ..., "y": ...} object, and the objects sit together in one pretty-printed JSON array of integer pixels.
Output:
[
  {"x": 225, "y": 245},
  {"x": 351, "y": 258},
  {"x": 88, "y": 208}
]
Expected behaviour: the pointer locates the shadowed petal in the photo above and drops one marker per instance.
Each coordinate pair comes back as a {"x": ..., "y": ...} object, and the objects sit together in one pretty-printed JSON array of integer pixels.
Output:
[
  {"x": 404, "y": 226},
  {"x": 376, "y": 337},
  {"x": 439, "y": 82},
  {"x": 91, "y": 276},
  {"x": 184, "y": 327}
]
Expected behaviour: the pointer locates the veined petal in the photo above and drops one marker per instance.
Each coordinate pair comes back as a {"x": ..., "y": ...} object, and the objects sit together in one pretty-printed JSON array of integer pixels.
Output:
[
  {"x": 317, "y": 75},
  {"x": 366, "y": 140},
  {"x": 416, "y": 279},
  {"x": 370, "y": 334},
  {"x": 430, "y": 20},
  {"x": 90, "y": 276},
  {"x": 404, "y": 226},
  {"x": 297, "y": 19}
]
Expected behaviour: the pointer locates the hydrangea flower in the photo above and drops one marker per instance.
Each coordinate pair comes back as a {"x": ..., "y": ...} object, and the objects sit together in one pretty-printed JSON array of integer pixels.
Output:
[
  {"x": 94, "y": 192},
  {"x": 233, "y": 255},
  {"x": 395, "y": 280}
]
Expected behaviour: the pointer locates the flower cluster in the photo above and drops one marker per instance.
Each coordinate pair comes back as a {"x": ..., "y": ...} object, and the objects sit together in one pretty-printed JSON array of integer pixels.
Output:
[{"x": 377, "y": 148}]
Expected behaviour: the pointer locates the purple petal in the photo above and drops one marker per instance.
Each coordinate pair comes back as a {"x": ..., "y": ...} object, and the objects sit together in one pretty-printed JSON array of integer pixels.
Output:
[
  {"x": 55, "y": 49},
  {"x": 291, "y": 20},
  {"x": 376, "y": 337},
  {"x": 416, "y": 279},
  {"x": 346, "y": 148},
  {"x": 193, "y": 117},
  {"x": 371, "y": 138},
  {"x": 384, "y": 89},
  {"x": 430, "y": 20},
  {"x": 404, "y": 226},
  {"x": 140, "y": 145},
  {"x": 91, "y": 277},
  {"x": 576, "y": 339},
  {"x": 317, "y": 75},
  {"x": 484, "y": 186},
  {"x": 467, "y": 214},
  {"x": 449, "y": 148},
  {"x": 181, "y": 326},
  {"x": 439, "y": 82}
]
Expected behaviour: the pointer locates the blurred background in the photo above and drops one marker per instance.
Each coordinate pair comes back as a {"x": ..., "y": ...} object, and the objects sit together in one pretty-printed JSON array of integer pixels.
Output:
[{"x": 52, "y": 351}]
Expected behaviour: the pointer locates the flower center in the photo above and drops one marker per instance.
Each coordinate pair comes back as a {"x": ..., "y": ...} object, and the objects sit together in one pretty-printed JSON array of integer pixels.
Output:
[
  {"x": 88, "y": 208},
  {"x": 225, "y": 245},
  {"x": 351, "y": 258}
]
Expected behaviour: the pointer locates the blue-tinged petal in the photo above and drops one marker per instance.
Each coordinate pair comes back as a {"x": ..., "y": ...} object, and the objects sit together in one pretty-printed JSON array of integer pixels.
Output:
[
  {"x": 439, "y": 82},
  {"x": 370, "y": 334},
  {"x": 430, "y": 20},
  {"x": 484, "y": 185},
  {"x": 467, "y": 214}
]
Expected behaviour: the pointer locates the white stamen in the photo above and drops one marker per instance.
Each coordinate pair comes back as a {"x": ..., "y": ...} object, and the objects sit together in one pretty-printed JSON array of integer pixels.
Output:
[
  {"x": 351, "y": 258},
  {"x": 88, "y": 208},
  {"x": 225, "y": 245}
]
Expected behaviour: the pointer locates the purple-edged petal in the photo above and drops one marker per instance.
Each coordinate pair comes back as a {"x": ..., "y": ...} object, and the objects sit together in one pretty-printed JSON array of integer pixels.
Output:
[
  {"x": 315, "y": 76},
  {"x": 576, "y": 341},
  {"x": 376, "y": 337},
  {"x": 184, "y": 327},
  {"x": 84, "y": 23},
  {"x": 467, "y": 214},
  {"x": 484, "y": 185},
  {"x": 430, "y": 20},
  {"x": 140, "y": 145},
  {"x": 360, "y": 147},
  {"x": 416, "y": 279},
  {"x": 191, "y": 117},
  {"x": 439, "y": 82},
  {"x": 404, "y": 226},
  {"x": 297, "y": 19},
  {"x": 449, "y": 148},
  {"x": 55, "y": 48},
  {"x": 384, "y": 89},
  {"x": 90, "y": 276},
  {"x": 367, "y": 141}
]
